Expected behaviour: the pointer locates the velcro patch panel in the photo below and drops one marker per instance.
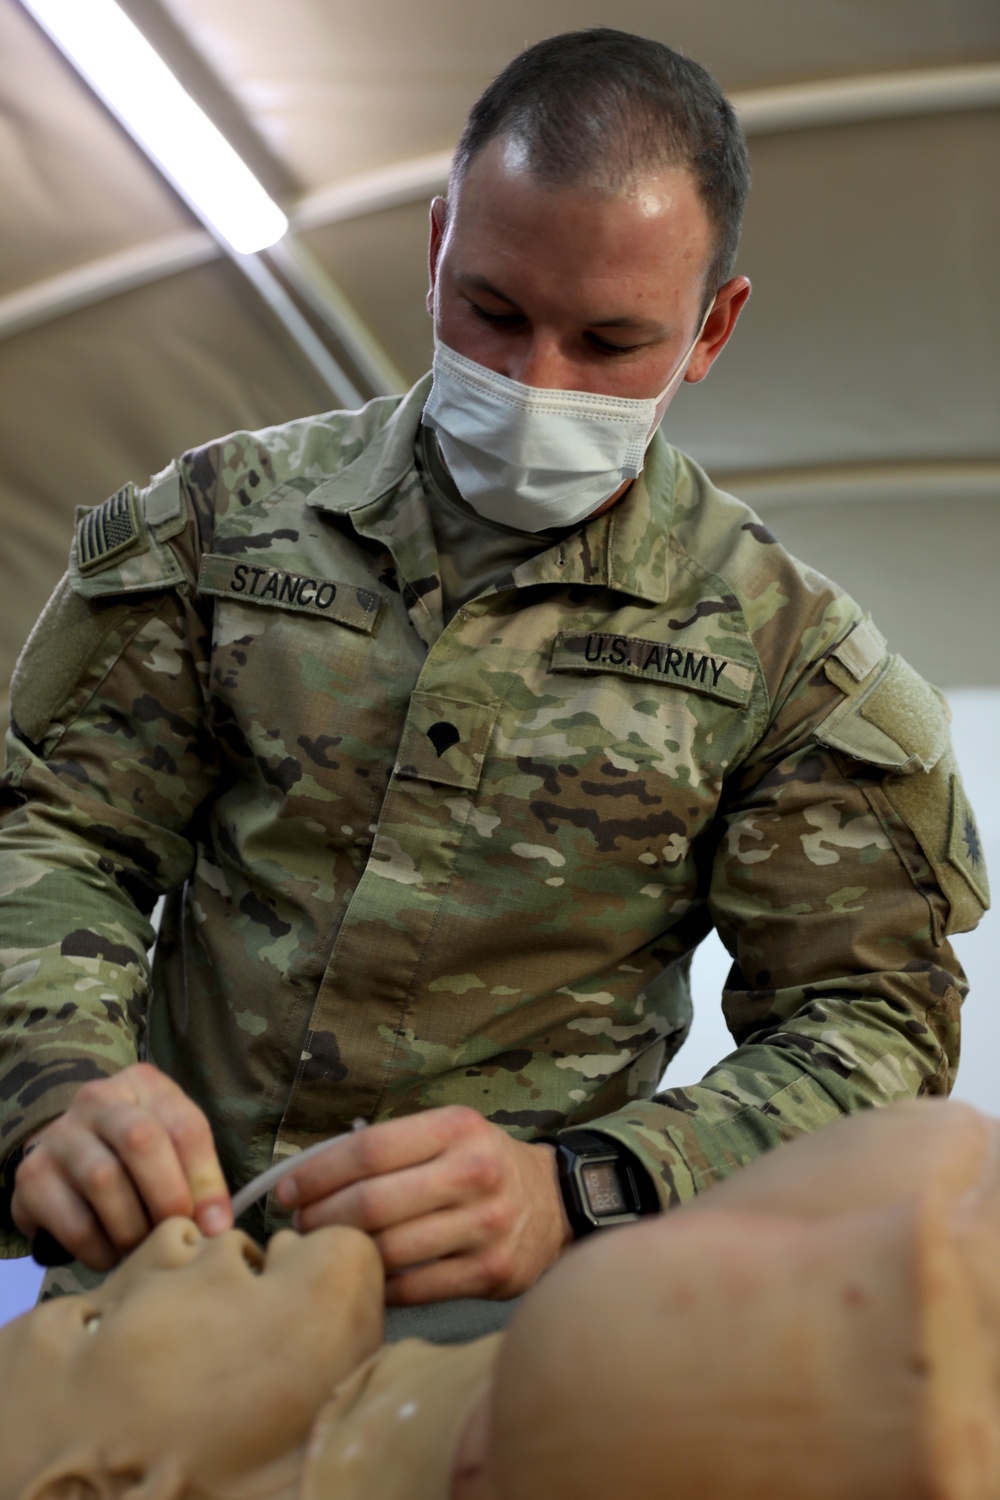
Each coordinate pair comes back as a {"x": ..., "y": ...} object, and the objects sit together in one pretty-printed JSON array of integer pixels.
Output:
[
  {"x": 161, "y": 499},
  {"x": 898, "y": 723}
]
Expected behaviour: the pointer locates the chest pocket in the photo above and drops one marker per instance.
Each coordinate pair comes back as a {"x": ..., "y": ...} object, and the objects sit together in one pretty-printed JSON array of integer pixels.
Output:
[{"x": 445, "y": 740}]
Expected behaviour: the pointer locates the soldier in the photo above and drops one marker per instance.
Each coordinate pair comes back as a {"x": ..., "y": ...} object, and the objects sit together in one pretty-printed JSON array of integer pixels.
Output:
[{"x": 449, "y": 727}]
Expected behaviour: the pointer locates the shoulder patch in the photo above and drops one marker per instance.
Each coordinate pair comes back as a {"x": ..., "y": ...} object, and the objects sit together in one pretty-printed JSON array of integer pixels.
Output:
[
  {"x": 106, "y": 531},
  {"x": 965, "y": 846},
  {"x": 936, "y": 810}
]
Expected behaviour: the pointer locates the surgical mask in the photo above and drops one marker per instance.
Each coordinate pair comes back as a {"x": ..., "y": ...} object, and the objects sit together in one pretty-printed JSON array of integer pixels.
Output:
[{"x": 532, "y": 458}]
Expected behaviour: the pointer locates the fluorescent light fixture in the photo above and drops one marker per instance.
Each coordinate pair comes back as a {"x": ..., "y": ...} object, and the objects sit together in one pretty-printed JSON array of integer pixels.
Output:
[{"x": 137, "y": 86}]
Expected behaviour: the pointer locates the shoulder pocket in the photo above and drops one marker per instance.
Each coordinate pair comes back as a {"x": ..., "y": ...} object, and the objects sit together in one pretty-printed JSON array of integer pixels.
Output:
[{"x": 899, "y": 723}]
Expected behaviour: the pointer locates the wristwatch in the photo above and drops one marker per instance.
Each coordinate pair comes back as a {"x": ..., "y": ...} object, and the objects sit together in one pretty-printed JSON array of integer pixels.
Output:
[{"x": 602, "y": 1182}]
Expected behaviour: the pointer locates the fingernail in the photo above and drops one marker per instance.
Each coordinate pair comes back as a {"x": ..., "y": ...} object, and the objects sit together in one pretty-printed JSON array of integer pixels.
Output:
[
  {"x": 287, "y": 1192},
  {"x": 213, "y": 1220}
]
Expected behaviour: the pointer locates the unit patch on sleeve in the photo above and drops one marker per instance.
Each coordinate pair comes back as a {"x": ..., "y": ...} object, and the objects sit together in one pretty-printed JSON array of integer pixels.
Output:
[
  {"x": 656, "y": 661},
  {"x": 107, "y": 530},
  {"x": 965, "y": 846},
  {"x": 247, "y": 582}
]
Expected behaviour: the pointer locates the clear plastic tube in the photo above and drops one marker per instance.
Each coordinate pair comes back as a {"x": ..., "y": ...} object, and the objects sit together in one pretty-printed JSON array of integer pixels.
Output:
[{"x": 265, "y": 1181}]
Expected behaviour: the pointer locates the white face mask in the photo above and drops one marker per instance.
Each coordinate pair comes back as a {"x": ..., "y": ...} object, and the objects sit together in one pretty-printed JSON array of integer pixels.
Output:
[{"x": 532, "y": 458}]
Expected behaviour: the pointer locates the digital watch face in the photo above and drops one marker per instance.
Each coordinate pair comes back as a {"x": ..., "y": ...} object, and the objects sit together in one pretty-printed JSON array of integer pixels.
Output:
[{"x": 604, "y": 1193}]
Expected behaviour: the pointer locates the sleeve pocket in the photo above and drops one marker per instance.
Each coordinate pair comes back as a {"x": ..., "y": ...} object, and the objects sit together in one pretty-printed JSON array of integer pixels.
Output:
[{"x": 900, "y": 724}]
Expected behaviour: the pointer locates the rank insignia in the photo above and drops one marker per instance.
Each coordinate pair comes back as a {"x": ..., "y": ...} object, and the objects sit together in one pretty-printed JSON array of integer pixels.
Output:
[{"x": 107, "y": 530}]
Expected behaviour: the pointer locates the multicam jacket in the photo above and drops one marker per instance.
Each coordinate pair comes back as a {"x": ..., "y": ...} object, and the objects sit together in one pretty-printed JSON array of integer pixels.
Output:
[{"x": 412, "y": 863}]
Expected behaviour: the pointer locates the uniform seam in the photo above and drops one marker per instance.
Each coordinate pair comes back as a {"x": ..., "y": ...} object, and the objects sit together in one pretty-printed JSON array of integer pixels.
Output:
[{"x": 418, "y": 966}]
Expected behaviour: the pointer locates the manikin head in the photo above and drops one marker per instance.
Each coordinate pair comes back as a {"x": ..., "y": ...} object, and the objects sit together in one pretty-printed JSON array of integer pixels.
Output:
[
  {"x": 592, "y": 219},
  {"x": 197, "y": 1367}
]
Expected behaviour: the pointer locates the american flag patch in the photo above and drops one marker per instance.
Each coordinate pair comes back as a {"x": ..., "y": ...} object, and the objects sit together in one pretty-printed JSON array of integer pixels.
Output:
[{"x": 106, "y": 530}]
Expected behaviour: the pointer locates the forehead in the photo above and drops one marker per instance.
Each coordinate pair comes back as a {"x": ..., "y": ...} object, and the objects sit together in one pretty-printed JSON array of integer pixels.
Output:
[{"x": 653, "y": 230}]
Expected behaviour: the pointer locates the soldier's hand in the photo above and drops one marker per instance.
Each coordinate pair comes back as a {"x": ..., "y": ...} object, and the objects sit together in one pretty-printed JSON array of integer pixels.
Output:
[
  {"x": 130, "y": 1151},
  {"x": 456, "y": 1207}
]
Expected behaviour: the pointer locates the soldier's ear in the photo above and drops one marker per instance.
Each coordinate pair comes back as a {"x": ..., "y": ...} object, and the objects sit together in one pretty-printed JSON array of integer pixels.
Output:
[
  {"x": 439, "y": 220},
  {"x": 86, "y": 1481}
]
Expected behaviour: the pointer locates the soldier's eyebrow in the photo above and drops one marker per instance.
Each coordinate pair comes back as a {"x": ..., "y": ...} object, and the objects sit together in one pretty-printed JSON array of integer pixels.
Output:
[
  {"x": 471, "y": 282},
  {"x": 480, "y": 284},
  {"x": 635, "y": 325}
]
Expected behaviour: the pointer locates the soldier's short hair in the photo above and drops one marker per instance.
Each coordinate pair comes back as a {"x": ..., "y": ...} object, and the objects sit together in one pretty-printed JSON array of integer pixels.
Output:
[{"x": 597, "y": 107}]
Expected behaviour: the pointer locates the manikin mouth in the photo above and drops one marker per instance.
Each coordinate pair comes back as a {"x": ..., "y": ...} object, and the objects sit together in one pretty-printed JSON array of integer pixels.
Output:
[{"x": 255, "y": 1257}]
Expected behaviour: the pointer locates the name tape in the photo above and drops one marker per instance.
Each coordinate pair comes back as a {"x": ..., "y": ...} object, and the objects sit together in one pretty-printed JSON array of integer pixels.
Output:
[{"x": 255, "y": 583}]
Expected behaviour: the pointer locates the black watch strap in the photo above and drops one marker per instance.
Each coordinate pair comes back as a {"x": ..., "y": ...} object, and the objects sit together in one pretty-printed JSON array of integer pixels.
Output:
[{"x": 603, "y": 1183}]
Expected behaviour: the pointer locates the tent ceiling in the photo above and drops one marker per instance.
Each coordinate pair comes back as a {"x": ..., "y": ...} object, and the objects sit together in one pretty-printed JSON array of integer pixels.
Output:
[
  {"x": 330, "y": 85},
  {"x": 858, "y": 403}
]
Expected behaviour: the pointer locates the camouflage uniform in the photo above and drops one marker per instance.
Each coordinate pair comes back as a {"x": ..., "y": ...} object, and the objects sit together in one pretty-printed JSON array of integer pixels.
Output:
[{"x": 414, "y": 862}]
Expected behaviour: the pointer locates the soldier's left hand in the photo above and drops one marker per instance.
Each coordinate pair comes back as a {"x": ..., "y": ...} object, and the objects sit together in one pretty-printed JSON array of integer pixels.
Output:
[{"x": 456, "y": 1207}]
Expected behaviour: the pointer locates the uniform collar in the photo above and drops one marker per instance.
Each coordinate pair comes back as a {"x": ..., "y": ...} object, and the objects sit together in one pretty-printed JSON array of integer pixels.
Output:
[
  {"x": 625, "y": 549},
  {"x": 382, "y": 465}
]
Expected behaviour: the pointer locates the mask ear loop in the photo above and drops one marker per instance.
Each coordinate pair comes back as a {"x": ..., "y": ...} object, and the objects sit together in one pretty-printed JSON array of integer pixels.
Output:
[{"x": 677, "y": 375}]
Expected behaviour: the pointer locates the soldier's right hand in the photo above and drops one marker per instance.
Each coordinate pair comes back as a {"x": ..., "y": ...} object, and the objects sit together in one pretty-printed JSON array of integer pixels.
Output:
[{"x": 130, "y": 1151}]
